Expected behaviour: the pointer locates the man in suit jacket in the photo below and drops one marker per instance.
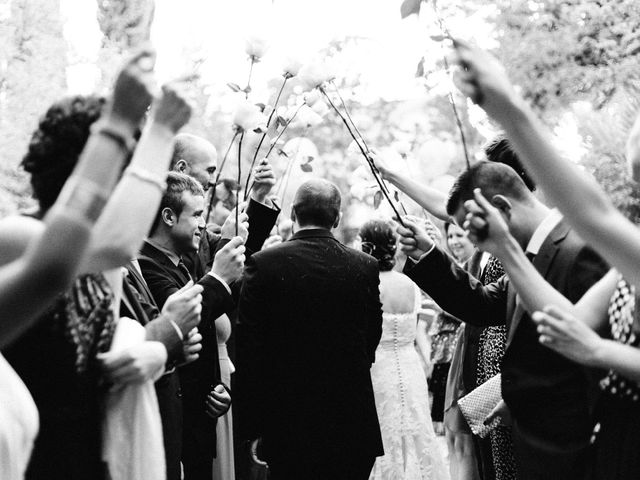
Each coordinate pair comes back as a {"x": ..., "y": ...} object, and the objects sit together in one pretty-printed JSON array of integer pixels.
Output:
[
  {"x": 310, "y": 320},
  {"x": 179, "y": 316},
  {"x": 177, "y": 231},
  {"x": 549, "y": 397}
]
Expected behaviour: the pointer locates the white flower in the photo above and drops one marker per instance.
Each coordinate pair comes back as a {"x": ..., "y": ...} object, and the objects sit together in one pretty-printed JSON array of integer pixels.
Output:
[
  {"x": 291, "y": 66},
  {"x": 256, "y": 46},
  {"x": 312, "y": 97},
  {"x": 248, "y": 117},
  {"x": 313, "y": 75},
  {"x": 307, "y": 117}
]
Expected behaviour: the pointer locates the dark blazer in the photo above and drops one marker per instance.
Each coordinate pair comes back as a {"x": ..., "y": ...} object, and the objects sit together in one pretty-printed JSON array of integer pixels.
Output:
[
  {"x": 310, "y": 320},
  {"x": 550, "y": 397},
  {"x": 198, "y": 378},
  {"x": 137, "y": 303}
]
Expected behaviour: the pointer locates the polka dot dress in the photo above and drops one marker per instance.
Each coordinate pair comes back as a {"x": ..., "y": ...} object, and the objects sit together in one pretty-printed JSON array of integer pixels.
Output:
[{"x": 621, "y": 321}]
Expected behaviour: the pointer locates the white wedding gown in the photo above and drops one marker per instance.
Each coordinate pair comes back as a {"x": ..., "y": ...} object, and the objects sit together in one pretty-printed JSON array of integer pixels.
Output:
[{"x": 402, "y": 401}]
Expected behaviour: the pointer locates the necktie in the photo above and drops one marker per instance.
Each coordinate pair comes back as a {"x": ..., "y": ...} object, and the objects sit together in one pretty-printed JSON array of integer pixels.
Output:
[{"x": 185, "y": 271}]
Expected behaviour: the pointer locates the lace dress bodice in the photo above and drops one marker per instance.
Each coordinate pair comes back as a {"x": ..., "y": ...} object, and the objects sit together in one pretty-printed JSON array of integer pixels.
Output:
[{"x": 402, "y": 402}]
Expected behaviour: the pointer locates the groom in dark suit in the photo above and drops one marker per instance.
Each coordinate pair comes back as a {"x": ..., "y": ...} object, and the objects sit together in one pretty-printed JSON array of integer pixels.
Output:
[
  {"x": 310, "y": 322},
  {"x": 548, "y": 396}
]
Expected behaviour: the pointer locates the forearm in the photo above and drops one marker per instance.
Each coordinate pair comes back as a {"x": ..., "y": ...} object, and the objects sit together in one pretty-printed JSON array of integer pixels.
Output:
[
  {"x": 133, "y": 206},
  {"x": 432, "y": 200},
  {"x": 31, "y": 283},
  {"x": 624, "y": 359},
  {"x": 584, "y": 204}
]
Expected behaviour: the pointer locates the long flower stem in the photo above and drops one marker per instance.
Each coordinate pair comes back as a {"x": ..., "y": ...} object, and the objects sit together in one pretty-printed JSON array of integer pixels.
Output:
[
  {"x": 239, "y": 179},
  {"x": 447, "y": 69},
  {"x": 275, "y": 142},
  {"x": 224, "y": 160},
  {"x": 366, "y": 156},
  {"x": 264, "y": 135},
  {"x": 248, "y": 87}
]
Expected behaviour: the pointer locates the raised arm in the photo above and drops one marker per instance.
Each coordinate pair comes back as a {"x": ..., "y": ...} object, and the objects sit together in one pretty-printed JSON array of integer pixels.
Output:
[
  {"x": 432, "y": 200},
  {"x": 57, "y": 247},
  {"x": 133, "y": 206},
  {"x": 584, "y": 204},
  {"x": 451, "y": 287}
]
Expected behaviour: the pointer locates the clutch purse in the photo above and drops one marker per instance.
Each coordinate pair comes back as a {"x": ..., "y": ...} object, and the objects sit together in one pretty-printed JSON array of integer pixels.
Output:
[{"x": 478, "y": 403}]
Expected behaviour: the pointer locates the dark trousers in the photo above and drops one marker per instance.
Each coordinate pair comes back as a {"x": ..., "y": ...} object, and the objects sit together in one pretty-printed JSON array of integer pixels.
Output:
[
  {"x": 536, "y": 461},
  {"x": 170, "y": 406},
  {"x": 354, "y": 468},
  {"x": 484, "y": 457}
]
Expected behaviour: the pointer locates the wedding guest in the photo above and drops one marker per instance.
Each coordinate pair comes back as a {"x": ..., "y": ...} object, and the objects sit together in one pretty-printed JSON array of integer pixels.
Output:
[
  {"x": 595, "y": 218},
  {"x": 310, "y": 322},
  {"x": 29, "y": 284},
  {"x": 550, "y": 435},
  {"x": 197, "y": 157},
  {"x": 176, "y": 231},
  {"x": 462, "y": 459},
  {"x": 79, "y": 326},
  {"x": 399, "y": 384}
]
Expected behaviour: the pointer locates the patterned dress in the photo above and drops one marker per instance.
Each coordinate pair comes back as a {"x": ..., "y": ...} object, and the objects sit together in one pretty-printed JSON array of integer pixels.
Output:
[
  {"x": 616, "y": 435},
  {"x": 56, "y": 359},
  {"x": 492, "y": 344}
]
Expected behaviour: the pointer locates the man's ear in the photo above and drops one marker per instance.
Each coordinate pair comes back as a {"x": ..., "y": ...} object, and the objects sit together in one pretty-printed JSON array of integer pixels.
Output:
[
  {"x": 168, "y": 217},
  {"x": 337, "y": 222},
  {"x": 503, "y": 204},
  {"x": 293, "y": 215},
  {"x": 181, "y": 166}
]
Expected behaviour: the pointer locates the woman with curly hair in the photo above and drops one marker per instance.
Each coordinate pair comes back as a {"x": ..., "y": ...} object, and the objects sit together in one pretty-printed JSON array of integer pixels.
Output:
[
  {"x": 59, "y": 357},
  {"x": 399, "y": 382}
]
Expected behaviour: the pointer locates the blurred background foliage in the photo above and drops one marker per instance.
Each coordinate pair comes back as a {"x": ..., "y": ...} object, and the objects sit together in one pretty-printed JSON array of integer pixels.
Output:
[{"x": 574, "y": 60}]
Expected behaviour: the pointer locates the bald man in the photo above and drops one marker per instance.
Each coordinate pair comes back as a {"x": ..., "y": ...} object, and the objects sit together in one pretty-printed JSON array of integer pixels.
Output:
[{"x": 310, "y": 322}]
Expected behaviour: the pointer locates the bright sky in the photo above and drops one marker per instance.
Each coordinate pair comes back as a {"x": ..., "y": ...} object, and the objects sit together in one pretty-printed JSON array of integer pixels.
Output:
[{"x": 216, "y": 29}]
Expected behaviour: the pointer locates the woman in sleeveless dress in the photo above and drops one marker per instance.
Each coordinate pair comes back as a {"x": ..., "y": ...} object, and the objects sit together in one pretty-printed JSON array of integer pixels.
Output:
[{"x": 399, "y": 382}]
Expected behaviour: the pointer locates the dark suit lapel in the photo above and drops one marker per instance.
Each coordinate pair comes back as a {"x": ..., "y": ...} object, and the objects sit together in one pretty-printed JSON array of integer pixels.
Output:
[
  {"x": 542, "y": 261},
  {"x": 160, "y": 258}
]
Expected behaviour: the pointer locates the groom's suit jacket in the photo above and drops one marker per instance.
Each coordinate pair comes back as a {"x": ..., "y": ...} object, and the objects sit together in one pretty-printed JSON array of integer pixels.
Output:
[
  {"x": 550, "y": 397},
  {"x": 310, "y": 320}
]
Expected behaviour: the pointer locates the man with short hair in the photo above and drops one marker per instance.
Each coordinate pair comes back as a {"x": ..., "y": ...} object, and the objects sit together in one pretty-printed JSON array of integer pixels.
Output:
[
  {"x": 175, "y": 233},
  {"x": 310, "y": 322},
  {"x": 548, "y": 396}
]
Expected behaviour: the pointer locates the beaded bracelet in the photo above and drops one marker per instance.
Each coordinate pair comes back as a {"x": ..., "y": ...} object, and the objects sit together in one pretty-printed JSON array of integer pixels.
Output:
[
  {"x": 84, "y": 197},
  {"x": 118, "y": 135}
]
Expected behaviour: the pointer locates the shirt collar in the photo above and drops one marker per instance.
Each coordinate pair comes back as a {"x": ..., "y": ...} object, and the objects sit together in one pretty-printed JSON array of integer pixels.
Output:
[
  {"x": 544, "y": 229},
  {"x": 175, "y": 259}
]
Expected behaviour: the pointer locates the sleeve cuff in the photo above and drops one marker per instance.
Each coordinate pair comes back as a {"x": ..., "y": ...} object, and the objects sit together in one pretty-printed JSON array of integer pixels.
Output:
[
  {"x": 426, "y": 254},
  {"x": 177, "y": 329},
  {"x": 219, "y": 278}
]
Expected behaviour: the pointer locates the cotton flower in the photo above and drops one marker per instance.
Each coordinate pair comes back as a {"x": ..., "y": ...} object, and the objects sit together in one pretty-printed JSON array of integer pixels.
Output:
[
  {"x": 307, "y": 117},
  {"x": 291, "y": 66},
  {"x": 313, "y": 75},
  {"x": 248, "y": 117},
  {"x": 312, "y": 97},
  {"x": 256, "y": 46}
]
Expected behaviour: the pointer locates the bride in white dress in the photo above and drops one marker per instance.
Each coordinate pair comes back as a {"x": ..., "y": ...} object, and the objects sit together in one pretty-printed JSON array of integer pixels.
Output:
[{"x": 399, "y": 381}]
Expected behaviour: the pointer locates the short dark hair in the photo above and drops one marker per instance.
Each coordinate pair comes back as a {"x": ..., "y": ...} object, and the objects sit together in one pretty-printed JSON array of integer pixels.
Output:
[
  {"x": 177, "y": 184},
  {"x": 492, "y": 178},
  {"x": 379, "y": 240},
  {"x": 56, "y": 145},
  {"x": 500, "y": 150},
  {"x": 317, "y": 202}
]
